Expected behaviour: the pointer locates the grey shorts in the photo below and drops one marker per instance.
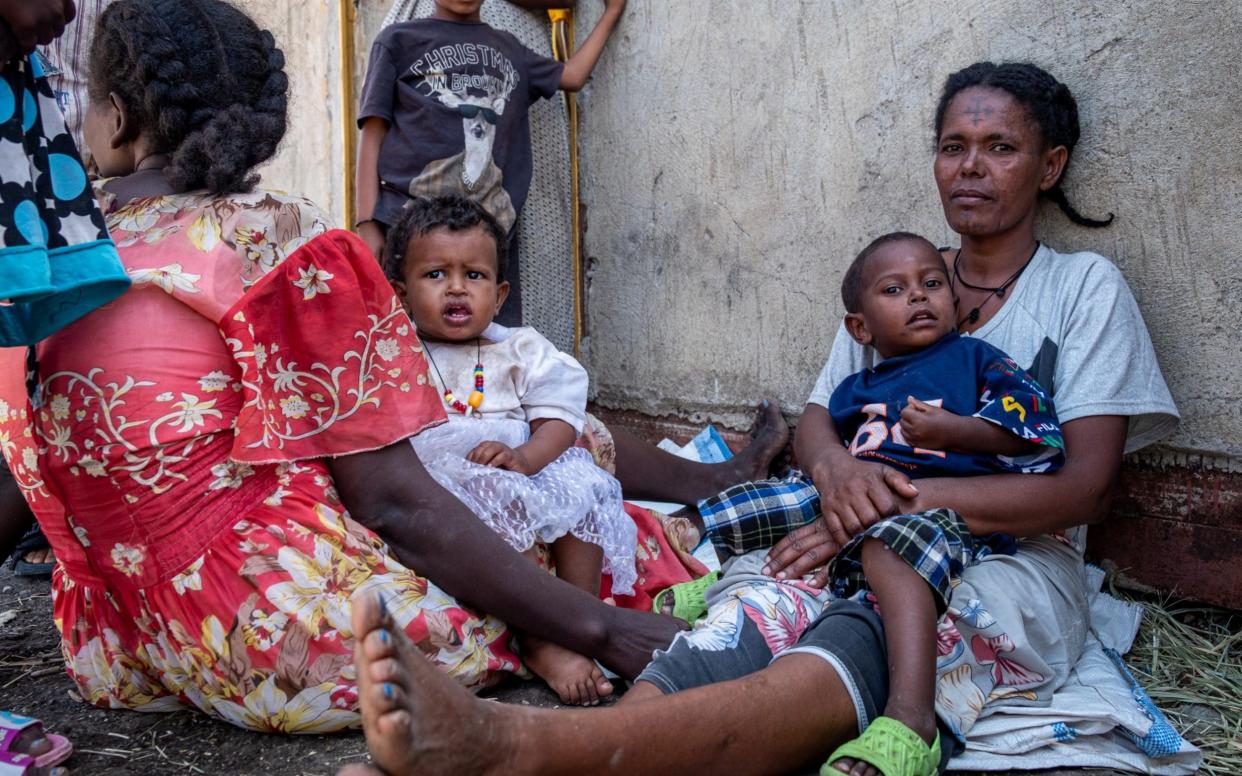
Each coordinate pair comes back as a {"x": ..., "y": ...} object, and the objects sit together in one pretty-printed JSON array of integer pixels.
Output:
[{"x": 729, "y": 643}]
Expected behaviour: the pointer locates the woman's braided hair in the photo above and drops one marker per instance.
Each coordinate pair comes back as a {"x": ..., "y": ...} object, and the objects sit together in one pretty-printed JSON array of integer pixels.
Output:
[
  {"x": 201, "y": 81},
  {"x": 1047, "y": 100}
]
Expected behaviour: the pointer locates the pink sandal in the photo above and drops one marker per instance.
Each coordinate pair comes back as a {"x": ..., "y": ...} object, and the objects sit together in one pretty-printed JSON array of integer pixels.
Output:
[{"x": 14, "y": 763}]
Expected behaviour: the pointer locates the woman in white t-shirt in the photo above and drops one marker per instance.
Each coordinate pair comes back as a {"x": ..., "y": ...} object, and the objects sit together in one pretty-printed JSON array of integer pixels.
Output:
[{"x": 1018, "y": 623}]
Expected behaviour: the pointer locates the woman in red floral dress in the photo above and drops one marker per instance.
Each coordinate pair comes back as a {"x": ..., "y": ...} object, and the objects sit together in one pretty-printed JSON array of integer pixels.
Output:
[{"x": 194, "y": 450}]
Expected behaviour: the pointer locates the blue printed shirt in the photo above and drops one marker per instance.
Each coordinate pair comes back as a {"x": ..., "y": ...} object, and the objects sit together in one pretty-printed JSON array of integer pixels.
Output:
[{"x": 965, "y": 376}]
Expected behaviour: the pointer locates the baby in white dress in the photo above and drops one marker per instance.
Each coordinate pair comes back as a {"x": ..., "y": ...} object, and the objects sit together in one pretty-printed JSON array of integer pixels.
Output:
[{"x": 515, "y": 406}]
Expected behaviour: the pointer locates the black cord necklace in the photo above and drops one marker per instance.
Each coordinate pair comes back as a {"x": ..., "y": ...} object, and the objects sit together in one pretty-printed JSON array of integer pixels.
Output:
[{"x": 993, "y": 291}]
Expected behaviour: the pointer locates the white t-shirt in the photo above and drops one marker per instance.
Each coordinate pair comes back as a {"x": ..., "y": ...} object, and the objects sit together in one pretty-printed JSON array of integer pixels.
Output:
[
  {"x": 1072, "y": 322},
  {"x": 524, "y": 376}
]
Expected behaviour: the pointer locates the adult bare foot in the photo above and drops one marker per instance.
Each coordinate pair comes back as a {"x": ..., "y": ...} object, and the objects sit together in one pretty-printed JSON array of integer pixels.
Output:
[
  {"x": 417, "y": 719},
  {"x": 575, "y": 678},
  {"x": 769, "y": 433},
  {"x": 633, "y": 636}
]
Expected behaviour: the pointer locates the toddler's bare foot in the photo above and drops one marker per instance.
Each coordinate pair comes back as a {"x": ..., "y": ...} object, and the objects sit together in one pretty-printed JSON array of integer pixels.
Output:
[
  {"x": 576, "y": 679},
  {"x": 417, "y": 719}
]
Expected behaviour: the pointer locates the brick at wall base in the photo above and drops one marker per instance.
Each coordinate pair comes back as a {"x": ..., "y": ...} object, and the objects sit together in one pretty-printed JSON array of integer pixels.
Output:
[
  {"x": 1176, "y": 529},
  {"x": 1173, "y": 528}
]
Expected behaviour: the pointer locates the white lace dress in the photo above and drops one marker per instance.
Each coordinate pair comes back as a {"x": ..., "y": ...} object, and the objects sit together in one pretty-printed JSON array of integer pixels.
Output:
[{"x": 526, "y": 379}]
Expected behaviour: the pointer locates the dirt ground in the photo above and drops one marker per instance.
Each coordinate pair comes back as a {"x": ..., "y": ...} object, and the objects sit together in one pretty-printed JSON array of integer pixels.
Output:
[{"x": 109, "y": 743}]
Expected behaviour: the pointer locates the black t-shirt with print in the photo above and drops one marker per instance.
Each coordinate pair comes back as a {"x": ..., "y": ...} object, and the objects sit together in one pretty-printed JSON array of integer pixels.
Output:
[{"x": 455, "y": 96}]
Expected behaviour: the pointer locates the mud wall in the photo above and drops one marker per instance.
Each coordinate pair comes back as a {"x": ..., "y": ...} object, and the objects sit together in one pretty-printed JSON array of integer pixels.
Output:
[{"x": 311, "y": 159}]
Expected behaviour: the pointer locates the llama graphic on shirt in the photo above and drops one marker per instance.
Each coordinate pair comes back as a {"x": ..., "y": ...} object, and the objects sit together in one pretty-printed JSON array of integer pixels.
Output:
[
  {"x": 475, "y": 81},
  {"x": 480, "y": 113}
]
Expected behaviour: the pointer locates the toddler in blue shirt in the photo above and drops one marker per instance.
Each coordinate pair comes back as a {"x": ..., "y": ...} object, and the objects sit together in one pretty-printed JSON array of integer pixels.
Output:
[{"x": 937, "y": 404}]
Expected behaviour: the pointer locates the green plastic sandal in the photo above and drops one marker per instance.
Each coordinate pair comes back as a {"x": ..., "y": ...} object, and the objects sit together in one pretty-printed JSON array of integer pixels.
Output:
[
  {"x": 685, "y": 601},
  {"x": 890, "y": 746}
]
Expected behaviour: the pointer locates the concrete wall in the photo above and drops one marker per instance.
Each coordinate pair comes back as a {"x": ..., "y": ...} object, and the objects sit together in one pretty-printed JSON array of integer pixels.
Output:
[
  {"x": 737, "y": 154},
  {"x": 311, "y": 161}
]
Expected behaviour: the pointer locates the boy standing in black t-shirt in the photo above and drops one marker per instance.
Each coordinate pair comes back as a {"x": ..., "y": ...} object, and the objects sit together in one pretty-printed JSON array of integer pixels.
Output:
[{"x": 444, "y": 110}]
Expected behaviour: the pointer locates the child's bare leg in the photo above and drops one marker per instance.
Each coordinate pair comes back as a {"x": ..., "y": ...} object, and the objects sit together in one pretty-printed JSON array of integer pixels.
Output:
[
  {"x": 909, "y": 611},
  {"x": 579, "y": 563},
  {"x": 575, "y": 678}
]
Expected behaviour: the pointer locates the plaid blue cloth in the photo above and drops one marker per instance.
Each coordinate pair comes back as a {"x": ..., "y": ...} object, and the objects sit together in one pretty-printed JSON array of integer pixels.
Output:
[
  {"x": 756, "y": 515},
  {"x": 936, "y": 544}
]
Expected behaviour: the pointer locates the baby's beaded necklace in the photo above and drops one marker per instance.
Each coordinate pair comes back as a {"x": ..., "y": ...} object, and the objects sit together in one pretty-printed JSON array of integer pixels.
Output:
[{"x": 475, "y": 400}]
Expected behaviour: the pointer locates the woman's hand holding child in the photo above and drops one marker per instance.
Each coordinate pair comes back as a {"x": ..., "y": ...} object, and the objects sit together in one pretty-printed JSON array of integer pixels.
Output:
[{"x": 853, "y": 496}]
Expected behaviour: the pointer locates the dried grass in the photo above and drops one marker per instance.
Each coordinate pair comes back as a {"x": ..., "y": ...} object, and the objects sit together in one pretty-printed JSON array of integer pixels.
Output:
[{"x": 1189, "y": 659}]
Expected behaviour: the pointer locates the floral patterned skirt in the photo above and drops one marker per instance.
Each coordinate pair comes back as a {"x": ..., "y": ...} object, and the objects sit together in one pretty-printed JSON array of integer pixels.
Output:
[
  {"x": 1013, "y": 632},
  {"x": 256, "y": 631}
]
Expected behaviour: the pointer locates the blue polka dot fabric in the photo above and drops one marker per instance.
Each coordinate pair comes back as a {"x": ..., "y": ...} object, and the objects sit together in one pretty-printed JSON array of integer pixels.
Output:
[{"x": 57, "y": 262}]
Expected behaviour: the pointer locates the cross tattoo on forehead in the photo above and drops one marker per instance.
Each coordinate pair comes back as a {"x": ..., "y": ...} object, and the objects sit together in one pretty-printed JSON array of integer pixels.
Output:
[{"x": 977, "y": 111}]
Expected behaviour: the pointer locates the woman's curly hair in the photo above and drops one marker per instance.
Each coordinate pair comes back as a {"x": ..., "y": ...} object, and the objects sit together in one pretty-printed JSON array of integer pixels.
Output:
[
  {"x": 1047, "y": 100},
  {"x": 201, "y": 81}
]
